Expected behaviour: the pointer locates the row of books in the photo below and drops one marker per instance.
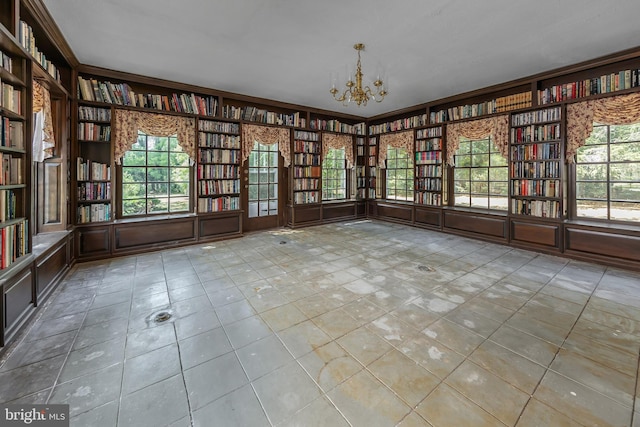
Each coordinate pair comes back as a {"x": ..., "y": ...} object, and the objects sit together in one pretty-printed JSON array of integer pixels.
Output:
[
  {"x": 12, "y": 170},
  {"x": 498, "y": 105},
  {"x": 7, "y": 205},
  {"x": 216, "y": 155},
  {"x": 255, "y": 114},
  {"x": 306, "y": 184},
  {"x": 427, "y": 198},
  {"x": 542, "y": 188},
  {"x": 307, "y": 171},
  {"x": 539, "y": 208},
  {"x": 96, "y": 212},
  {"x": 538, "y": 116},
  {"x": 429, "y": 170},
  {"x": 88, "y": 170},
  {"x": 366, "y": 193},
  {"x": 428, "y": 184},
  {"x": 89, "y": 131},
  {"x": 218, "y": 171},
  {"x": 433, "y": 132},
  {"x": 216, "y": 140},
  {"x": 606, "y": 83},
  {"x": 372, "y": 161},
  {"x": 306, "y": 146},
  {"x": 548, "y": 169},
  {"x": 7, "y": 62},
  {"x": 216, "y": 187},
  {"x": 122, "y": 94},
  {"x": 306, "y": 197},
  {"x": 218, "y": 204},
  {"x": 11, "y": 133},
  {"x": 535, "y": 152},
  {"x": 428, "y": 157},
  {"x": 337, "y": 126},
  {"x": 367, "y": 182},
  {"x": 306, "y": 159},
  {"x": 94, "y": 113},
  {"x": 14, "y": 243},
  {"x": 10, "y": 98},
  {"x": 224, "y": 127},
  {"x": 399, "y": 124},
  {"x": 429, "y": 144},
  {"x": 28, "y": 41},
  {"x": 306, "y": 136},
  {"x": 94, "y": 191},
  {"x": 535, "y": 133}
]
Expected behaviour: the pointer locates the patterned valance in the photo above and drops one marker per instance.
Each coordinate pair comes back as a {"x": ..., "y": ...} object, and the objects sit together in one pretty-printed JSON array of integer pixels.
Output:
[
  {"x": 127, "y": 124},
  {"x": 45, "y": 144},
  {"x": 616, "y": 110},
  {"x": 335, "y": 141},
  {"x": 396, "y": 140},
  {"x": 497, "y": 127},
  {"x": 266, "y": 135}
]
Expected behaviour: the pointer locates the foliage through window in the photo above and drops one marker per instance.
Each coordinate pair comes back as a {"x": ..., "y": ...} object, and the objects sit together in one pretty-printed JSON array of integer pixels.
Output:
[
  {"x": 263, "y": 180},
  {"x": 481, "y": 176},
  {"x": 155, "y": 177},
  {"x": 608, "y": 174},
  {"x": 399, "y": 182},
  {"x": 334, "y": 175}
]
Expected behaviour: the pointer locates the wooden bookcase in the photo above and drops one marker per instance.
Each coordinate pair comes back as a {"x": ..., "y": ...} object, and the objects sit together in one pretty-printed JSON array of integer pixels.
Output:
[
  {"x": 536, "y": 163},
  {"x": 93, "y": 165},
  {"x": 218, "y": 166},
  {"x": 429, "y": 157},
  {"x": 371, "y": 164},
  {"x": 263, "y": 114},
  {"x": 307, "y": 168}
]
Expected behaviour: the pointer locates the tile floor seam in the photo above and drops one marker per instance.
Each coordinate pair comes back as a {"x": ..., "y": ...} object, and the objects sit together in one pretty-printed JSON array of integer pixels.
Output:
[{"x": 548, "y": 367}]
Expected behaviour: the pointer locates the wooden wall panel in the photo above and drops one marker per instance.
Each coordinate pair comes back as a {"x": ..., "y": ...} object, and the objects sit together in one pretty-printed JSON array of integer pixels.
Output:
[
  {"x": 302, "y": 214},
  {"x": 428, "y": 217},
  {"x": 93, "y": 241},
  {"x": 338, "y": 211},
  {"x": 476, "y": 224},
  {"x": 49, "y": 269},
  {"x": 219, "y": 226},
  {"x": 157, "y": 233},
  {"x": 621, "y": 246},
  {"x": 538, "y": 234},
  {"x": 18, "y": 298},
  {"x": 395, "y": 212}
]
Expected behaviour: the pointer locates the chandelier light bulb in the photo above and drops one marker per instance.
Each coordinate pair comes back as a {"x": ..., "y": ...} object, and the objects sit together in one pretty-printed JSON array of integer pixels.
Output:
[{"x": 355, "y": 92}]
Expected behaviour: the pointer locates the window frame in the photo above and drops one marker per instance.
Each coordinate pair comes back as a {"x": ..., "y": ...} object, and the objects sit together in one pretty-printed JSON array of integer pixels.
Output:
[
  {"x": 190, "y": 190},
  {"x": 490, "y": 183},
  {"x": 607, "y": 181},
  {"x": 331, "y": 164}
]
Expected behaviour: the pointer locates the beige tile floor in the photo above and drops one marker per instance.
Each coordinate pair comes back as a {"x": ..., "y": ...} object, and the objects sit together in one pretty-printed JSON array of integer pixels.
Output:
[{"x": 362, "y": 323}]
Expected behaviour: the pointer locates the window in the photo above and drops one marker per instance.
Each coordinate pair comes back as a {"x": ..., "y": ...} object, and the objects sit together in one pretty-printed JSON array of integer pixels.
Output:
[
  {"x": 155, "y": 177},
  {"x": 334, "y": 175},
  {"x": 263, "y": 180},
  {"x": 607, "y": 171},
  {"x": 480, "y": 175},
  {"x": 399, "y": 182}
]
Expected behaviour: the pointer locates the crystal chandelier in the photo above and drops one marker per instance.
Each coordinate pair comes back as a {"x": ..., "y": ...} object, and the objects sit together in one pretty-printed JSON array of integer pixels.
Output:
[{"x": 354, "y": 91}]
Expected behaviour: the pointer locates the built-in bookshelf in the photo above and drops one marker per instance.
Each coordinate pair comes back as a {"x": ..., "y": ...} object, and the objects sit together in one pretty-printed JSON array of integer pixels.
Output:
[
  {"x": 335, "y": 125},
  {"x": 371, "y": 163},
  {"x": 536, "y": 163},
  {"x": 251, "y": 113},
  {"x": 93, "y": 165},
  {"x": 496, "y": 105},
  {"x": 93, "y": 89},
  {"x": 361, "y": 168},
  {"x": 307, "y": 170},
  {"x": 29, "y": 43},
  {"x": 428, "y": 164},
  {"x": 605, "y": 83},
  {"x": 14, "y": 194},
  {"x": 399, "y": 124},
  {"x": 218, "y": 166}
]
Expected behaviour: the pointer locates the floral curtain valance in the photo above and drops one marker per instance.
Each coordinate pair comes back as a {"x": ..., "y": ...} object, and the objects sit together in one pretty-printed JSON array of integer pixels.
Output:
[
  {"x": 335, "y": 141},
  {"x": 497, "y": 127},
  {"x": 44, "y": 138},
  {"x": 266, "y": 135},
  {"x": 127, "y": 124},
  {"x": 617, "y": 110},
  {"x": 396, "y": 140}
]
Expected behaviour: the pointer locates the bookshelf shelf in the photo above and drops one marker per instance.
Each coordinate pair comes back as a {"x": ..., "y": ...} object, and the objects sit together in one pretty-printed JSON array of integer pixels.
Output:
[
  {"x": 429, "y": 155},
  {"x": 218, "y": 166},
  {"x": 307, "y": 169},
  {"x": 536, "y": 163}
]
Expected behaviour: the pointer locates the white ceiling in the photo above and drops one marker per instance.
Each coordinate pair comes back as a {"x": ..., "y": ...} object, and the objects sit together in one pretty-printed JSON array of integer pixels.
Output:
[{"x": 287, "y": 50}]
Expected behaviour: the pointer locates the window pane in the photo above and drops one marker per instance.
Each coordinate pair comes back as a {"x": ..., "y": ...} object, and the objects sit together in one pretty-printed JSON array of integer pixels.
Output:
[
  {"x": 591, "y": 190},
  {"x": 253, "y": 192},
  {"x": 134, "y": 174},
  {"x": 173, "y": 144},
  {"x": 480, "y": 160},
  {"x": 273, "y": 191},
  {"x": 140, "y": 144},
  {"x": 592, "y": 209},
  {"x": 463, "y": 161},
  {"x": 596, "y": 172},
  {"x": 158, "y": 205},
  {"x": 592, "y": 154},
  {"x": 179, "y": 204},
  {"x": 180, "y": 174},
  {"x": 625, "y": 171},
  {"x": 480, "y": 174},
  {"x": 498, "y": 174},
  {"x": 625, "y": 133},
  {"x": 134, "y": 207},
  {"x": 158, "y": 190},
  {"x": 462, "y": 174},
  {"x": 498, "y": 203},
  {"x": 497, "y": 160},
  {"x": 598, "y": 136},
  {"x": 625, "y": 211},
  {"x": 134, "y": 158},
  {"x": 130, "y": 191},
  {"x": 157, "y": 175},
  {"x": 157, "y": 159},
  {"x": 625, "y": 191},
  {"x": 629, "y": 151},
  {"x": 263, "y": 192},
  {"x": 180, "y": 189},
  {"x": 179, "y": 159}
]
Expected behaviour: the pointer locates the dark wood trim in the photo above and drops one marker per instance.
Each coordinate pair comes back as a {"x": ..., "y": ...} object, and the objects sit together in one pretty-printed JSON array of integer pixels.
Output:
[{"x": 39, "y": 11}]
